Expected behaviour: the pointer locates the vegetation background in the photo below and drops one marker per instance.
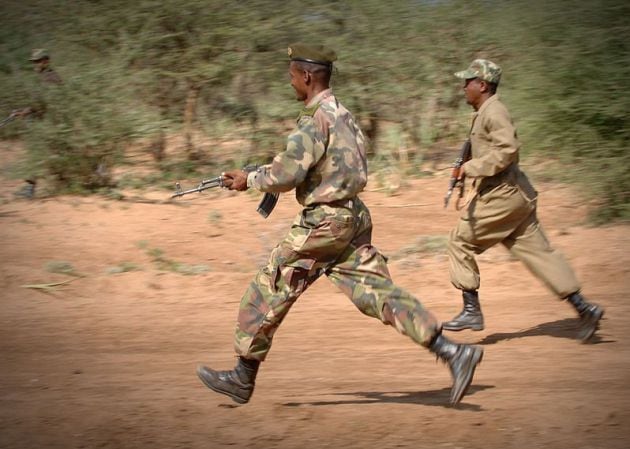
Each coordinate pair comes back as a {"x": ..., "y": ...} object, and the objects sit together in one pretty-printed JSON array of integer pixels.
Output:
[{"x": 214, "y": 73}]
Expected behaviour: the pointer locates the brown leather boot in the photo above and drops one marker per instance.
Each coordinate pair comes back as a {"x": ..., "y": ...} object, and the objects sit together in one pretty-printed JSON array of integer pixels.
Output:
[
  {"x": 462, "y": 361},
  {"x": 470, "y": 317},
  {"x": 238, "y": 383}
]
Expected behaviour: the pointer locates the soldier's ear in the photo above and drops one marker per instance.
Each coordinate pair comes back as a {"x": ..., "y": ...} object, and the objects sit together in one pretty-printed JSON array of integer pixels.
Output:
[
  {"x": 483, "y": 86},
  {"x": 308, "y": 77}
]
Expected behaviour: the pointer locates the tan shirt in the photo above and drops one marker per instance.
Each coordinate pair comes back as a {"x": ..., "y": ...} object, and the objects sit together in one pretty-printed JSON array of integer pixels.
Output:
[{"x": 495, "y": 149}]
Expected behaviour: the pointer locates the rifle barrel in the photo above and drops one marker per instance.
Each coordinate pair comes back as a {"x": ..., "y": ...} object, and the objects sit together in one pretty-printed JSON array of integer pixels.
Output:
[{"x": 203, "y": 185}]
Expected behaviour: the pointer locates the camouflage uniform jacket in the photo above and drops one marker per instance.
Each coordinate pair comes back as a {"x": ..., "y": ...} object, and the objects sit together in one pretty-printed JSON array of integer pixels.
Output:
[
  {"x": 495, "y": 150},
  {"x": 324, "y": 159}
]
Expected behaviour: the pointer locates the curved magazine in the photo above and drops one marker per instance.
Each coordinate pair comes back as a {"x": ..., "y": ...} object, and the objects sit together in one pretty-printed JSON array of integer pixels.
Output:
[{"x": 267, "y": 204}]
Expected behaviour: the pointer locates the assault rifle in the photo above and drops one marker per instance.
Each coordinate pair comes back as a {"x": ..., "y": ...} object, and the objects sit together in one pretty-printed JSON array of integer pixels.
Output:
[
  {"x": 464, "y": 155},
  {"x": 265, "y": 207}
]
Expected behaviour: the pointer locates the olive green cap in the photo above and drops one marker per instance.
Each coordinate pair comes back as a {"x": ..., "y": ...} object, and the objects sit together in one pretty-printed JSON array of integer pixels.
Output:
[
  {"x": 315, "y": 54},
  {"x": 483, "y": 69},
  {"x": 38, "y": 54}
]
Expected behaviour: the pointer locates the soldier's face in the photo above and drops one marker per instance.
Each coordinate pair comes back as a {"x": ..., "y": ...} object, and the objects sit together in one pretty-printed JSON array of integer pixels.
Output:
[
  {"x": 298, "y": 82},
  {"x": 40, "y": 65},
  {"x": 472, "y": 90}
]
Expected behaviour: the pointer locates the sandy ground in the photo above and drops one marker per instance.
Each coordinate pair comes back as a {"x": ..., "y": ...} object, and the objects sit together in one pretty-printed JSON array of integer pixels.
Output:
[{"x": 107, "y": 359}]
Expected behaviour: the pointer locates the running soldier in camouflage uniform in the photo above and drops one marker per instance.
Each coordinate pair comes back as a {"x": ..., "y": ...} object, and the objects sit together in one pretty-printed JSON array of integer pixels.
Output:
[
  {"x": 325, "y": 162},
  {"x": 502, "y": 209},
  {"x": 40, "y": 58}
]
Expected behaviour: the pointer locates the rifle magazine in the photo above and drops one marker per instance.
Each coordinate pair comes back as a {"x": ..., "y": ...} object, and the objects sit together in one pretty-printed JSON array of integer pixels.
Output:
[{"x": 266, "y": 205}]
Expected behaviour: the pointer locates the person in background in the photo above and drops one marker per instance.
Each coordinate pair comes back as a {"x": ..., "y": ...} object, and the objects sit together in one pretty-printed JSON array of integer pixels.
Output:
[{"x": 40, "y": 58}]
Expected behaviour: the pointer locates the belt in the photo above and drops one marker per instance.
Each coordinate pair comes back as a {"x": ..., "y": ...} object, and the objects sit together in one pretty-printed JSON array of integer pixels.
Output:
[{"x": 347, "y": 203}]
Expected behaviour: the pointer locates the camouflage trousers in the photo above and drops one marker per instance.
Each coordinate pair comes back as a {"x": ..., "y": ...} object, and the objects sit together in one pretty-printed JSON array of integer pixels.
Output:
[{"x": 334, "y": 241}]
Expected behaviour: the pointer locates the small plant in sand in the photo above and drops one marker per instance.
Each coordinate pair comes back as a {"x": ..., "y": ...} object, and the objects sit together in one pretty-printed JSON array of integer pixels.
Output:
[
  {"x": 61, "y": 267},
  {"x": 215, "y": 216},
  {"x": 123, "y": 267},
  {"x": 161, "y": 262}
]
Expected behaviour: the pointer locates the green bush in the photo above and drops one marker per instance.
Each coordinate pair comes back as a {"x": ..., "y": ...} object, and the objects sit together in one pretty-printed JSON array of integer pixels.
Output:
[
  {"x": 219, "y": 68},
  {"x": 82, "y": 134}
]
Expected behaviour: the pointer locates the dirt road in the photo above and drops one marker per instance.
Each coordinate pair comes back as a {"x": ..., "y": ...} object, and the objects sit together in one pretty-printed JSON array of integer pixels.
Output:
[{"x": 107, "y": 359}]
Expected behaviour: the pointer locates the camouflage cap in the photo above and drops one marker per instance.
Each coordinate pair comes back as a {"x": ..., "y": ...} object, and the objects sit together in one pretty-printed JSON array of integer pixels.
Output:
[
  {"x": 482, "y": 69},
  {"x": 315, "y": 54},
  {"x": 38, "y": 54}
]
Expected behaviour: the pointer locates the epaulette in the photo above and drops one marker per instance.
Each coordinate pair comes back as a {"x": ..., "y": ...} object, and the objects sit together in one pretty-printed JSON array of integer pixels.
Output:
[{"x": 308, "y": 112}]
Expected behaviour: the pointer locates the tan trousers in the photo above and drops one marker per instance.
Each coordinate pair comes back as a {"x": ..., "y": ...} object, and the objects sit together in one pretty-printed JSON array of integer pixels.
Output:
[{"x": 504, "y": 215}]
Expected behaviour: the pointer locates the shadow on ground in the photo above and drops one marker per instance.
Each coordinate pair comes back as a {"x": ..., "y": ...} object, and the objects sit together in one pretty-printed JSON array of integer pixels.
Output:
[
  {"x": 565, "y": 328},
  {"x": 433, "y": 397}
]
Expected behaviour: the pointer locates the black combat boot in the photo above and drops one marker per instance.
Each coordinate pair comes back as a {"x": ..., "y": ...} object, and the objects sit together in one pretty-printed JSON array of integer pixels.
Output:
[
  {"x": 237, "y": 383},
  {"x": 590, "y": 314},
  {"x": 462, "y": 361},
  {"x": 27, "y": 190},
  {"x": 470, "y": 317}
]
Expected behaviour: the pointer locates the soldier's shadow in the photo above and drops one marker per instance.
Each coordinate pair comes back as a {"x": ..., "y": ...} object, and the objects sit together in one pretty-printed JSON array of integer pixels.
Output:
[
  {"x": 439, "y": 398},
  {"x": 564, "y": 328}
]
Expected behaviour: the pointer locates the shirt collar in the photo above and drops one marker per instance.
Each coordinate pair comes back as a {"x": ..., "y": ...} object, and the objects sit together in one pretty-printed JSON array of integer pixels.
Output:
[
  {"x": 485, "y": 104},
  {"x": 319, "y": 97}
]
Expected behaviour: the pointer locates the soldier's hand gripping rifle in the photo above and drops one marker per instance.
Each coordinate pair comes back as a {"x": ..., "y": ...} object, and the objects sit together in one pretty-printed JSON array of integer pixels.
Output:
[
  {"x": 265, "y": 207},
  {"x": 457, "y": 180}
]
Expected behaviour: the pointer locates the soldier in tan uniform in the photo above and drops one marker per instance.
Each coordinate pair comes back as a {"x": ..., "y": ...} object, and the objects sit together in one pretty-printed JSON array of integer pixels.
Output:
[
  {"x": 325, "y": 162},
  {"x": 502, "y": 209}
]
